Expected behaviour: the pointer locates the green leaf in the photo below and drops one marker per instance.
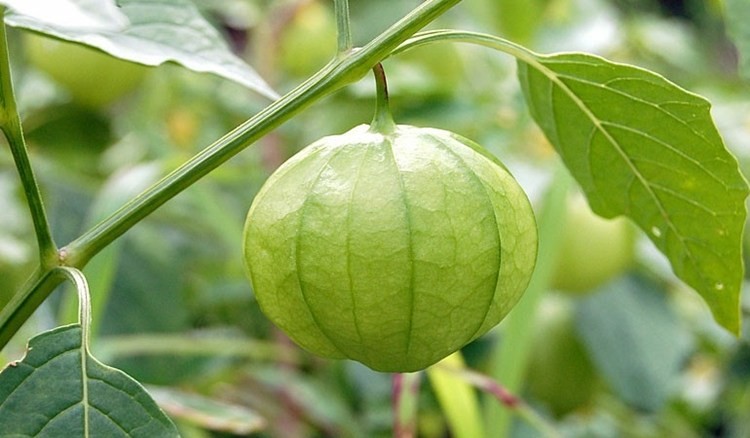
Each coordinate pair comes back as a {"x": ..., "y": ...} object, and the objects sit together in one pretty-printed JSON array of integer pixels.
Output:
[
  {"x": 88, "y": 14},
  {"x": 152, "y": 33},
  {"x": 59, "y": 389},
  {"x": 643, "y": 147},
  {"x": 738, "y": 27}
]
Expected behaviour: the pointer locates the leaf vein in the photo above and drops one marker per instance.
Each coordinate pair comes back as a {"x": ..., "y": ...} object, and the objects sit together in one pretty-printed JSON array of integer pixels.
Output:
[
  {"x": 666, "y": 145},
  {"x": 556, "y": 79},
  {"x": 655, "y": 105}
]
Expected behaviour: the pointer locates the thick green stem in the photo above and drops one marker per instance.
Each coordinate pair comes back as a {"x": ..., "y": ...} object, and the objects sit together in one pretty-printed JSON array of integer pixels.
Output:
[
  {"x": 10, "y": 124},
  {"x": 343, "y": 71},
  {"x": 383, "y": 120},
  {"x": 344, "y": 29}
]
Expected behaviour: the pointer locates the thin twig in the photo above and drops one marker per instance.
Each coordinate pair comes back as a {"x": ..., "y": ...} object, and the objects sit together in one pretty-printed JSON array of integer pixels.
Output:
[
  {"x": 506, "y": 398},
  {"x": 405, "y": 397}
]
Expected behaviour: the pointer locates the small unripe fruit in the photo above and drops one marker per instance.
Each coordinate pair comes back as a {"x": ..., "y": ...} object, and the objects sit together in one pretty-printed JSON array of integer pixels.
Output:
[
  {"x": 560, "y": 376},
  {"x": 394, "y": 249},
  {"x": 309, "y": 41},
  {"x": 92, "y": 77},
  {"x": 593, "y": 250}
]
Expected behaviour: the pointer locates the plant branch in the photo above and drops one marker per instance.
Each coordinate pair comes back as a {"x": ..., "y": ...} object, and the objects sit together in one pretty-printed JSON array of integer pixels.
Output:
[
  {"x": 341, "y": 72},
  {"x": 344, "y": 28},
  {"x": 10, "y": 124},
  {"x": 333, "y": 77}
]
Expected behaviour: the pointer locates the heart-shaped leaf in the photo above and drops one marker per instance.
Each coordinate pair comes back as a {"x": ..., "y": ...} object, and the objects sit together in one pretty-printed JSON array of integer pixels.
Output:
[
  {"x": 59, "y": 389},
  {"x": 643, "y": 147}
]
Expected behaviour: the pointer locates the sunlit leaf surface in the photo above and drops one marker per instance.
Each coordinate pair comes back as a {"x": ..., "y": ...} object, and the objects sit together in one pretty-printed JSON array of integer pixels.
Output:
[
  {"x": 641, "y": 146},
  {"x": 100, "y": 15},
  {"x": 146, "y": 32}
]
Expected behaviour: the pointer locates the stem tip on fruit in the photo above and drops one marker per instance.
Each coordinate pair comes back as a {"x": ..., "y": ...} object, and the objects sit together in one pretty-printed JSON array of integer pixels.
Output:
[{"x": 383, "y": 121}]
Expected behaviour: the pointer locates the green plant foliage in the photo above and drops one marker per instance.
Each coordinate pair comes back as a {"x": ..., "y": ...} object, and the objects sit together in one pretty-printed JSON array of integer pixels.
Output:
[
  {"x": 171, "y": 304},
  {"x": 89, "y": 14},
  {"x": 560, "y": 375},
  {"x": 594, "y": 250},
  {"x": 76, "y": 67},
  {"x": 643, "y": 147},
  {"x": 636, "y": 341},
  {"x": 157, "y": 32},
  {"x": 738, "y": 25},
  {"x": 208, "y": 413},
  {"x": 59, "y": 389}
]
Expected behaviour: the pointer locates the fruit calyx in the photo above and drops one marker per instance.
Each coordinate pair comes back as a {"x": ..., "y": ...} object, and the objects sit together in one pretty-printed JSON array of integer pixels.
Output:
[{"x": 391, "y": 245}]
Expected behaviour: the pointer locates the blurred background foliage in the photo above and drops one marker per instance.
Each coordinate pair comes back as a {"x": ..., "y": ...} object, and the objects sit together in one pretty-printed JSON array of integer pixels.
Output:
[{"x": 631, "y": 354}]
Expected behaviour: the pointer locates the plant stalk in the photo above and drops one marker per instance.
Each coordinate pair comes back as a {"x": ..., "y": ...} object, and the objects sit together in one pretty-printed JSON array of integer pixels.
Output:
[
  {"x": 508, "y": 400},
  {"x": 405, "y": 404},
  {"x": 10, "y": 124},
  {"x": 344, "y": 28},
  {"x": 84, "y": 298},
  {"x": 383, "y": 120},
  {"x": 334, "y": 76}
]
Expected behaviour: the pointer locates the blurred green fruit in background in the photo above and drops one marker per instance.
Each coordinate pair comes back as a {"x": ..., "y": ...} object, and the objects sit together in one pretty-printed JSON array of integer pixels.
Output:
[
  {"x": 93, "y": 78},
  {"x": 560, "y": 374},
  {"x": 593, "y": 249},
  {"x": 308, "y": 41}
]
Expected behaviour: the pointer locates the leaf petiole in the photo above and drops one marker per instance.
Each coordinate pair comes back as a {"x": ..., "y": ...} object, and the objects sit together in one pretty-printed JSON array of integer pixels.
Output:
[{"x": 84, "y": 298}]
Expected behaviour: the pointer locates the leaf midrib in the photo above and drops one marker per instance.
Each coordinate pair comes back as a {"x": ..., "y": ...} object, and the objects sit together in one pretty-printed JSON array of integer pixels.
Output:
[{"x": 85, "y": 384}]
